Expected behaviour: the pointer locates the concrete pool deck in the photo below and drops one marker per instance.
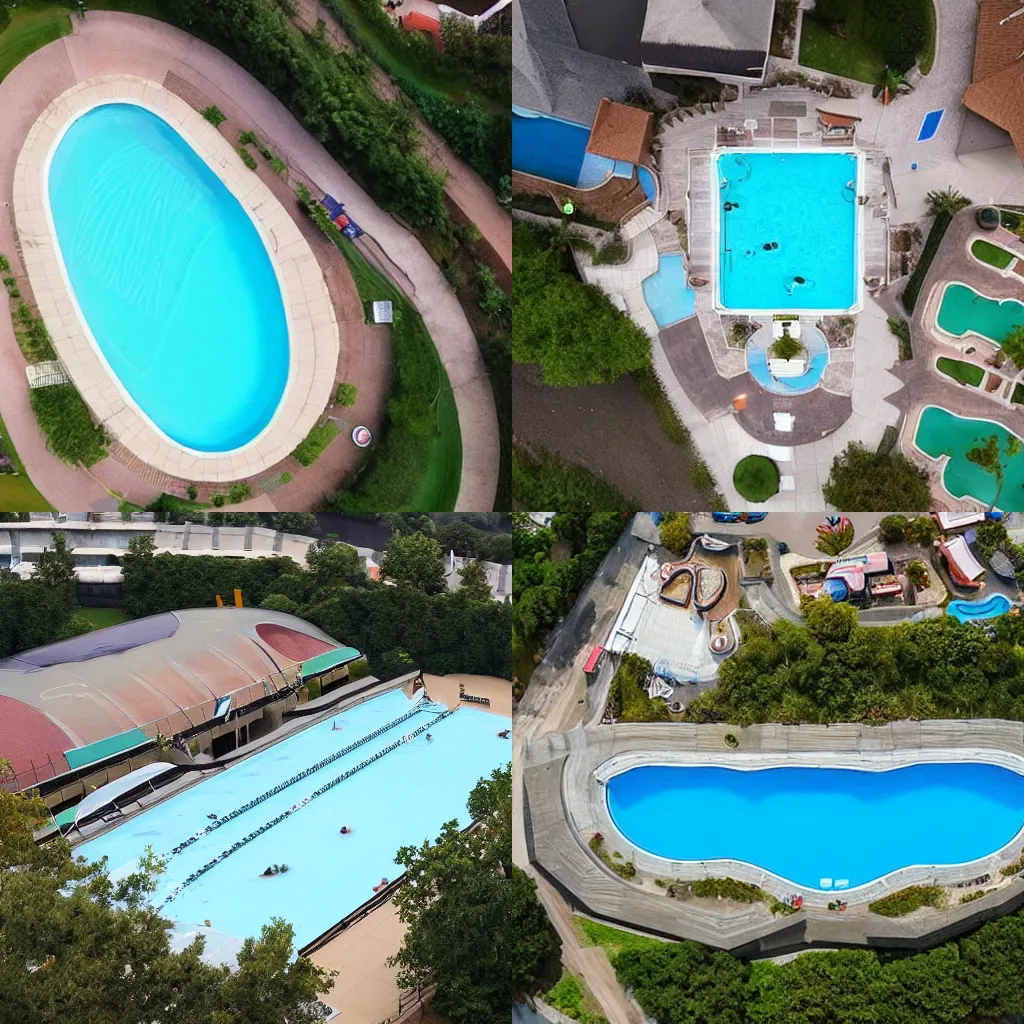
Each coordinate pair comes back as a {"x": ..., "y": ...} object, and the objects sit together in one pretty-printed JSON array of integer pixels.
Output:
[
  {"x": 115, "y": 43},
  {"x": 563, "y": 805}
]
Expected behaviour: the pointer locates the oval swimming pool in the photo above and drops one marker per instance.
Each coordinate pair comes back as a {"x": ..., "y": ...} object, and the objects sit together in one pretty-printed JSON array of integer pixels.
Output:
[
  {"x": 172, "y": 279},
  {"x": 978, "y": 611},
  {"x": 812, "y": 824}
]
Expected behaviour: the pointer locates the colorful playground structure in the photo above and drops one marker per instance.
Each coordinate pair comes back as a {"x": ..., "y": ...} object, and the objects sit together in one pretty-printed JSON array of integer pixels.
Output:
[{"x": 683, "y": 581}]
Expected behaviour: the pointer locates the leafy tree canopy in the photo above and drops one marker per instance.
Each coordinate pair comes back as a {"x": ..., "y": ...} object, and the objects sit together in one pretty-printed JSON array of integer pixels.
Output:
[
  {"x": 415, "y": 560},
  {"x": 864, "y": 481}
]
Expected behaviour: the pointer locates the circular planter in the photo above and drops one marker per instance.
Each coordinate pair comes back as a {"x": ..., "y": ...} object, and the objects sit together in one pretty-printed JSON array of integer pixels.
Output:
[
  {"x": 987, "y": 218},
  {"x": 756, "y": 478}
]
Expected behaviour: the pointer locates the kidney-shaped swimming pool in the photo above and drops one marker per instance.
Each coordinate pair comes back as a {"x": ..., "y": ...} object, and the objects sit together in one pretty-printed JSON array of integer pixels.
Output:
[
  {"x": 808, "y": 824},
  {"x": 171, "y": 277}
]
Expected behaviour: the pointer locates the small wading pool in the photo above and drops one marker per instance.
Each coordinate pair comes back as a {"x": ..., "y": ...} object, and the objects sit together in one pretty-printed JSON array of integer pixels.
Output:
[
  {"x": 171, "y": 276},
  {"x": 810, "y": 824},
  {"x": 963, "y": 311},
  {"x": 816, "y": 347},
  {"x": 803, "y": 206},
  {"x": 666, "y": 292},
  {"x": 930, "y": 125},
  {"x": 978, "y": 611},
  {"x": 941, "y": 432}
]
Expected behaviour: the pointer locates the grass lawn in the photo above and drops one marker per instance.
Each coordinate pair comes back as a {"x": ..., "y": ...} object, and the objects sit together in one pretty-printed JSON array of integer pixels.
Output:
[
  {"x": 32, "y": 27},
  {"x": 756, "y": 478},
  {"x": 612, "y": 940},
  {"x": 850, "y": 56},
  {"x": 416, "y": 465},
  {"x": 18, "y": 493},
  {"x": 102, "y": 617},
  {"x": 994, "y": 255},
  {"x": 964, "y": 373},
  {"x": 927, "y": 58}
]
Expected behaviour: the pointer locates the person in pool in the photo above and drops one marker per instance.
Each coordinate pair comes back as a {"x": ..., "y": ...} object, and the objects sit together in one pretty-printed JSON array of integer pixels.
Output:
[{"x": 345, "y": 830}]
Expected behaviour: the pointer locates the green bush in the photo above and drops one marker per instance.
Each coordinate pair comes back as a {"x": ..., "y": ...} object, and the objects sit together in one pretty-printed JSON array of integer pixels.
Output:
[
  {"x": 217, "y": 500},
  {"x": 894, "y": 527},
  {"x": 674, "y": 532},
  {"x": 970, "y": 897},
  {"x": 494, "y": 301},
  {"x": 623, "y": 868},
  {"x": 5, "y": 16},
  {"x": 65, "y": 419},
  {"x": 756, "y": 477},
  {"x": 900, "y": 327},
  {"x": 215, "y": 116},
  {"x": 346, "y": 394},
  {"x": 628, "y": 695},
  {"x": 247, "y": 158},
  {"x": 727, "y": 888},
  {"x": 239, "y": 492},
  {"x": 193, "y": 492},
  {"x": 897, "y": 31},
  {"x": 889, "y": 438},
  {"x": 315, "y": 442},
  {"x": 906, "y": 901},
  {"x": 1015, "y": 868},
  {"x": 931, "y": 247},
  {"x": 786, "y": 348},
  {"x": 835, "y": 543},
  {"x": 313, "y": 689},
  {"x": 610, "y": 253},
  {"x": 358, "y": 669}
]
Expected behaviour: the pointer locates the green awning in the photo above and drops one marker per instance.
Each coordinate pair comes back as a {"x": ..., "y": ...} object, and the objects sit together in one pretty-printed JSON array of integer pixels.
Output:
[
  {"x": 329, "y": 659},
  {"x": 66, "y": 817},
  {"x": 105, "y": 748}
]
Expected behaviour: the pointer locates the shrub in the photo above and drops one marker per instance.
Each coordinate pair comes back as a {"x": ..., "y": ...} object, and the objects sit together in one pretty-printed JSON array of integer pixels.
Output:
[
  {"x": 247, "y": 158},
  {"x": 217, "y": 500},
  {"x": 754, "y": 544},
  {"x": 623, "y": 868},
  {"x": 5, "y": 16},
  {"x": 894, "y": 527},
  {"x": 923, "y": 530},
  {"x": 834, "y": 543},
  {"x": 970, "y": 897},
  {"x": 285, "y": 477},
  {"x": 358, "y": 669},
  {"x": 315, "y": 442},
  {"x": 898, "y": 32},
  {"x": 493, "y": 300},
  {"x": 906, "y": 901},
  {"x": 239, "y": 492},
  {"x": 727, "y": 888},
  {"x": 1015, "y": 868},
  {"x": 346, "y": 394},
  {"x": 865, "y": 481},
  {"x": 900, "y": 327},
  {"x": 67, "y": 423},
  {"x": 192, "y": 492},
  {"x": 611, "y": 252},
  {"x": 786, "y": 348},
  {"x": 627, "y": 695},
  {"x": 756, "y": 477},
  {"x": 917, "y": 573},
  {"x": 675, "y": 532},
  {"x": 889, "y": 438},
  {"x": 215, "y": 116},
  {"x": 931, "y": 246},
  {"x": 313, "y": 689}
]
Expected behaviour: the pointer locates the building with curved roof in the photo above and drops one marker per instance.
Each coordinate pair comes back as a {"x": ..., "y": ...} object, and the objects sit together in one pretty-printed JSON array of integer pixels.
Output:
[{"x": 79, "y": 701}]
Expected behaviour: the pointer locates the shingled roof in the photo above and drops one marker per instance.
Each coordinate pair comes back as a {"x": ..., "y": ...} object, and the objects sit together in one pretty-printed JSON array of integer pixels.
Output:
[
  {"x": 621, "y": 132},
  {"x": 996, "y": 92}
]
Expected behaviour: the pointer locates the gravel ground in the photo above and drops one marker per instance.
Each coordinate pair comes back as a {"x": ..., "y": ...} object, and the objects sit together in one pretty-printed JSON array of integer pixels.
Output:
[{"x": 586, "y": 426}]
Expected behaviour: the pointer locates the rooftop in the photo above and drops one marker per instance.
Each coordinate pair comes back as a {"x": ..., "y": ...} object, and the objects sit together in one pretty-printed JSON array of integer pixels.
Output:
[
  {"x": 621, "y": 132},
  {"x": 996, "y": 92}
]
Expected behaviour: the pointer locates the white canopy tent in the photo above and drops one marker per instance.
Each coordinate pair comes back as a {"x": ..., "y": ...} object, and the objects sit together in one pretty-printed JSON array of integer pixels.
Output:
[{"x": 106, "y": 795}]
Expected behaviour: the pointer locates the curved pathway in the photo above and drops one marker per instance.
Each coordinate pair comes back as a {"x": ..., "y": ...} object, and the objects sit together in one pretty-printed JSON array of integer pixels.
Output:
[{"x": 108, "y": 42}]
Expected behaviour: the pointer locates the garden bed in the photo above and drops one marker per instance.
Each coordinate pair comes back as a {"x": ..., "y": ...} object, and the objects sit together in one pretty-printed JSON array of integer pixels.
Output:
[
  {"x": 994, "y": 255},
  {"x": 961, "y": 372}
]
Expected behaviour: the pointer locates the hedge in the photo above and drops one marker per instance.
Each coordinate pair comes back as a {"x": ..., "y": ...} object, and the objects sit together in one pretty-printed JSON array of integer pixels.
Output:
[
  {"x": 931, "y": 247},
  {"x": 68, "y": 425}
]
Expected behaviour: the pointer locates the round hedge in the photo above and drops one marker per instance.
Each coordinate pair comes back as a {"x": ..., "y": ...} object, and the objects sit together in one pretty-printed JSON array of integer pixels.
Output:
[{"x": 756, "y": 478}]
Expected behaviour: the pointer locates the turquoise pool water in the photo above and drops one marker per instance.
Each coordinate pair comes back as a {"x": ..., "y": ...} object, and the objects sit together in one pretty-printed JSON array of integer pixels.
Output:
[
  {"x": 962, "y": 309},
  {"x": 171, "y": 276},
  {"x": 403, "y": 798},
  {"x": 978, "y": 611},
  {"x": 809, "y": 824},
  {"x": 666, "y": 292},
  {"x": 805, "y": 203},
  {"x": 817, "y": 359},
  {"x": 940, "y": 432}
]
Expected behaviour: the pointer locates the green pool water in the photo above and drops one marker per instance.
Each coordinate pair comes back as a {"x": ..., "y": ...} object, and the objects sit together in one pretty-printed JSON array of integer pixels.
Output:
[
  {"x": 962, "y": 309},
  {"x": 940, "y": 432}
]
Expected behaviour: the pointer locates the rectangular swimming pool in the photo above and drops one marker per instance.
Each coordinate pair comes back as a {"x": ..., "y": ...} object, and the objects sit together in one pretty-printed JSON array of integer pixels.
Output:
[
  {"x": 787, "y": 231},
  {"x": 402, "y": 798}
]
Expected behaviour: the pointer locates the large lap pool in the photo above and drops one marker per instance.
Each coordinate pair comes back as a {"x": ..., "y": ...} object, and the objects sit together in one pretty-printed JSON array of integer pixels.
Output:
[
  {"x": 964, "y": 311},
  {"x": 803, "y": 207},
  {"x": 557, "y": 150},
  {"x": 941, "y": 432},
  {"x": 402, "y": 798},
  {"x": 812, "y": 824},
  {"x": 172, "y": 279}
]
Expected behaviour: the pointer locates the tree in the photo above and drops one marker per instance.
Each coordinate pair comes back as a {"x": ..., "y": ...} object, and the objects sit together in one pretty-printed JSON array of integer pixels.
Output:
[
  {"x": 948, "y": 201},
  {"x": 56, "y": 568},
  {"x": 890, "y": 84},
  {"x": 923, "y": 530},
  {"x": 416, "y": 561},
  {"x": 474, "y": 584},
  {"x": 570, "y": 329},
  {"x": 989, "y": 457},
  {"x": 89, "y": 949},
  {"x": 865, "y": 481},
  {"x": 675, "y": 532},
  {"x": 475, "y": 930},
  {"x": 280, "y": 603},
  {"x": 894, "y": 527},
  {"x": 296, "y": 522},
  {"x": 334, "y": 565},
  {"x": 1013, "y": 346}
]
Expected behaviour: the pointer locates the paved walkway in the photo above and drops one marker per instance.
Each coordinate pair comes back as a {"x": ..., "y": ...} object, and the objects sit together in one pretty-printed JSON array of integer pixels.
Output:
[{"x": 108, "y": 42}]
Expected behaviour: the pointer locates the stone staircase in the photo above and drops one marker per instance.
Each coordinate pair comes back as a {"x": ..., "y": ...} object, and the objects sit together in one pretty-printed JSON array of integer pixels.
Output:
[
  {"x": 164, "y": 481},
  {"x": 876, "y": 223},
  {"x": 702, "y": 207}
]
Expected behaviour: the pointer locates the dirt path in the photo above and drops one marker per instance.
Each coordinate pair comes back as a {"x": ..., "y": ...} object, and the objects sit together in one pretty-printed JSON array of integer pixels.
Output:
[
  {"x": 464, "y": 186},
  {"x": 610, "y": 430}
]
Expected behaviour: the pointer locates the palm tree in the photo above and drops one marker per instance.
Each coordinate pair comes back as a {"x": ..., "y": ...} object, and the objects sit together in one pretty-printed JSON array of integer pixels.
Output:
[
  {"x": 889, "y": 85},
  {"x": 949, "y": 200},
  {"x": 988, "y": 456}
]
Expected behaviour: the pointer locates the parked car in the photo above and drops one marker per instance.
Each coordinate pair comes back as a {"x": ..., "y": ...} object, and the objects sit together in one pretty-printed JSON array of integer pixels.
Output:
[{"x": 727, "y": 517}]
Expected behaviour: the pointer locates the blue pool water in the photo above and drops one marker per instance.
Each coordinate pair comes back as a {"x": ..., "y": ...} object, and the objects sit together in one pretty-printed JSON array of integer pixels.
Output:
[
  {"x": 806, "y": 824},
  {"x": 647, "y": 183},
  {"x": 929, "y": 125},
  {"x": 548, "y": 147},
  {"x": 977, "y": 611},
  {"x": 817, "y": 353},
  {"x": 806, "y": 204},
  {"x": 666, "y": 292},
  {"x": 401, "y": 799},
  {"x": 171, "y": 276}
]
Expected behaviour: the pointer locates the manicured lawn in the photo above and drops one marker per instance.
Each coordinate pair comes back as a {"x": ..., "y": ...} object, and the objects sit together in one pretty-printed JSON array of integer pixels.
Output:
[
  {"x": 102, "y": 617},
  {"x": 995, "y": 255},
  {"x": 850, "y": 56},
  {"x": 18, "y": 493},
  {"x": 612, "y": 940},
  {"x": 32, "y": 27},
  {"x": 927, "y": 58},
  {"x": 756, "y": 478},
  {"x": 964, "y": 373}
]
